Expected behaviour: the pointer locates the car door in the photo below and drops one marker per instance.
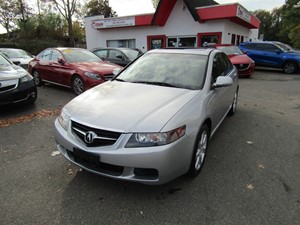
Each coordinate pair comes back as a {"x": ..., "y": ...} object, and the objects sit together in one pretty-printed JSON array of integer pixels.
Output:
[
  {"x": 220, "y": 98},
  {"x": 60, "y": 71},
  {"x": 117, "y": 57},
  {"x": 271, "y": 54},
  {"x": 42, "y": 66}
]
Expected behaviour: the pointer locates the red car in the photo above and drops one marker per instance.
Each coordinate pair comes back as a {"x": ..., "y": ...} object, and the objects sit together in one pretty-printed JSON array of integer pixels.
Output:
[
  {"x": 243, "y": 63},
  {"x": 76, "y": 68}
]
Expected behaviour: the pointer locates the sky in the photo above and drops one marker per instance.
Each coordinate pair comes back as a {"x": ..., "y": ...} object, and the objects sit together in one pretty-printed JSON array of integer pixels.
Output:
[{"x": 135, "y": 7}]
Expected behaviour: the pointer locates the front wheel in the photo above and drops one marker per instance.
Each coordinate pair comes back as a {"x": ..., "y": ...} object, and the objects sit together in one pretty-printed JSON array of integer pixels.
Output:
[
  {"x": 37, "y": 79},
  {"x": 289, "y": 67},
  {"x": 78, "y": 85},
  {"x": 234, "y": 103},
  {"x": 199, "y": 151}
]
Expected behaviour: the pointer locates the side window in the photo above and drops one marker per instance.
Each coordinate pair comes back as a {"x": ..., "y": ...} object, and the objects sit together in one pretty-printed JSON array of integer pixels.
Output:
[
  {"x": 269, "y": 47},
  {"x": 115, "y": 54},
  {"x": 46, "y": 55},
  {"x": 251, "y": 46},
  {"x": 101, "y": 53},
  {"x": 55, "y": 55},
  {"x": 218, "y": 67},
  {"x": 226, "y": 63}
]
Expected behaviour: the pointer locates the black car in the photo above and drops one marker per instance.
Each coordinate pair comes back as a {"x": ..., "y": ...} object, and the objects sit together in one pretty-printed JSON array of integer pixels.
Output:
[
  {"x": 120, "y": 56},
  {"x": 16, "y": 84}
]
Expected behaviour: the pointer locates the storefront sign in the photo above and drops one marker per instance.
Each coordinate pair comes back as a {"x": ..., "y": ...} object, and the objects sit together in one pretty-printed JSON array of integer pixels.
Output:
[
  {"x": 243, "y": 14},
  {"x": 113, "y": 22}
]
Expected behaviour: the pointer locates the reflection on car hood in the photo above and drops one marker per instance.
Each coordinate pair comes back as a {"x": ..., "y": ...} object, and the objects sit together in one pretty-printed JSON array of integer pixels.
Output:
[
  {"x": 8, "y": 72},
  {"x": 239, "y": 59},
  {"x": 128, "y": 107},
  {"x": 102, "y": 67}
]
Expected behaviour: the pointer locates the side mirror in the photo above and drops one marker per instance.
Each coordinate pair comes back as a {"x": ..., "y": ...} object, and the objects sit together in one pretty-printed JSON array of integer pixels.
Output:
[
  {"x": 120, "y": 57},
  {"x": 278, "y": 52},
  {"x": 222, "y": 82},
  {"x": 60, "y": 61},
  {"x": 18, "y": 63}
]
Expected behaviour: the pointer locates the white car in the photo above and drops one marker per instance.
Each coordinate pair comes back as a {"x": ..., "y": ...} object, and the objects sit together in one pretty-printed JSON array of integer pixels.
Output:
[{"x": 153, "y": 121}]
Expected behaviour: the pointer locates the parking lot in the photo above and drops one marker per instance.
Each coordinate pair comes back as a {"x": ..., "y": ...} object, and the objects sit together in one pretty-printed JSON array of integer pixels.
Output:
[{"x": 251, "y": 174}]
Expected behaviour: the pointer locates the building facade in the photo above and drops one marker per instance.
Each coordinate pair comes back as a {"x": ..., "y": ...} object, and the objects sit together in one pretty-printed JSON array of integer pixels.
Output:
[{"x": 175, "y": 23}]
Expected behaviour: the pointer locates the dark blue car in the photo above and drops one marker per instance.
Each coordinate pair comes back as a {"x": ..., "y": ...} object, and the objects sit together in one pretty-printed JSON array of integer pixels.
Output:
[{"x": 272, "y": 54}]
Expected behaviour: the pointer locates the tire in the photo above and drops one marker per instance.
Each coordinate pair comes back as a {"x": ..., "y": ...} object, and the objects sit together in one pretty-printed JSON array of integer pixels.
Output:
[
  {"x": 37, "y": 79},
  {"x": 290, "y": 67},
  {"x": 78, "y": 85},
  {"x": 234, "y": 103},
  {"x": 199, "y": 152}
]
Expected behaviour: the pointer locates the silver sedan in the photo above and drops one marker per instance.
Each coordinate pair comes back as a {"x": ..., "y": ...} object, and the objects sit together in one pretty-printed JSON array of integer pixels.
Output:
[{"x": 153, "y": 121}]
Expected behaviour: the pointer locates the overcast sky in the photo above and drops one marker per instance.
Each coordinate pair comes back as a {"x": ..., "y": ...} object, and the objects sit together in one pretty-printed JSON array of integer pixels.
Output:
[{"x": 134, "y": 7}]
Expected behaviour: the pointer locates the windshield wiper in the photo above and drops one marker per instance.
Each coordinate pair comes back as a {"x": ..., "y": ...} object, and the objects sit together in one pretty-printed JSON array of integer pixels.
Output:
[{"x": 156, "y": 83}]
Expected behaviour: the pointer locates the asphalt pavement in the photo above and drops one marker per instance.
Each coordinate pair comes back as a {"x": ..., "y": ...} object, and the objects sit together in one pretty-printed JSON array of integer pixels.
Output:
[{"x": 251, "y": 175}]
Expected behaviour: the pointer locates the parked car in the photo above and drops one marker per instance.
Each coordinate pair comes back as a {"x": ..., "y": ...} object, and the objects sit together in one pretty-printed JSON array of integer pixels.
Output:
[
  {"x": 76, "y": 68},
  {"x": 271, "y": 54},
  {"x": 18, "y": 56},
  {"x": 120, "y": 56},
  {"x": 243, "y": 63},
  {"x": 16, "y": 84},
  {"x": 153, "y": 121}
]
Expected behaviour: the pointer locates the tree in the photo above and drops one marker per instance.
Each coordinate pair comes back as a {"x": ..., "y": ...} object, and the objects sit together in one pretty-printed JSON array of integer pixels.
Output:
[
  {"x": 99, "y": 7},
  {"x": 23, "y": 12},
  {"x": 290, "y": 22},
  {"x": 265, "y": 18},
  {"x": 67, "y": 8},
  {"x": 7, "y": 14}
]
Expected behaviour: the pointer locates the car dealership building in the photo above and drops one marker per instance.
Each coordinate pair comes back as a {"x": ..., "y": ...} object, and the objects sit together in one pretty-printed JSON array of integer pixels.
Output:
[{"x": 175, "y": 23}]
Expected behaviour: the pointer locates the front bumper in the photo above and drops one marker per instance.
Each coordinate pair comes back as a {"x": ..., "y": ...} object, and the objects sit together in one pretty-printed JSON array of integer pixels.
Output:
[
  {"x": 148, "y": 165},
  {"x": 24, "y": 93}
]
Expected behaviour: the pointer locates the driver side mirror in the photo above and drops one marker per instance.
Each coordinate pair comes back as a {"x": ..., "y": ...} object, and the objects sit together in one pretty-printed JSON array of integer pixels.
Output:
[
  {"x": 60, "y": 61},
  {"x": 222, "y": 81},
  {"x": 278, "y": 52},
  {"x": 120, "y": 57}
]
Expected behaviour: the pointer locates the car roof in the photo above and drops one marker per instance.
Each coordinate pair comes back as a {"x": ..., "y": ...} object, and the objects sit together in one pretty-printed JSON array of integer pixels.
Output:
[{"x": 198, "y": 51}]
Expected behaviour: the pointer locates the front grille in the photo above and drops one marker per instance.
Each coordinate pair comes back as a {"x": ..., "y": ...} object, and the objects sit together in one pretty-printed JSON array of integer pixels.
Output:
[
  {"x": 102, "y": 138},
  {"x": 242, "y": 66},
  {"x": 108, "y": 76},
  {"x": 8, "y": 88}
]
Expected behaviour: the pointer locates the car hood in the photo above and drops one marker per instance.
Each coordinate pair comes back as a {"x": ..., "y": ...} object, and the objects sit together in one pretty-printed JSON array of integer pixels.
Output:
[
  {"x": 294, "y": 53},
  {"x": 102, "y": 67},
  {"x": 239, "y": 59},
  {"x": 128, "y": 107},
  {"x": 8, "y": 72}
]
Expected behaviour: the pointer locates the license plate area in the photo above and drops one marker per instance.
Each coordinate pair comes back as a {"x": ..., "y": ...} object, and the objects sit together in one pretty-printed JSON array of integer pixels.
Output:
[{"x": 88, "y": 159}]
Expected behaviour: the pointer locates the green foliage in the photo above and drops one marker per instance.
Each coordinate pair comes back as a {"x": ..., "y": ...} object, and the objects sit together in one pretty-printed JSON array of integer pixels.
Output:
[
  {"x": 99, "y": 7},
  {"x": 7, "y": 14}
]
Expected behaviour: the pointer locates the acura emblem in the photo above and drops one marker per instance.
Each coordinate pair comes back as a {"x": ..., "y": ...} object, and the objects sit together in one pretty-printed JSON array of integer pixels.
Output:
[{"x": 89, "y": 137}]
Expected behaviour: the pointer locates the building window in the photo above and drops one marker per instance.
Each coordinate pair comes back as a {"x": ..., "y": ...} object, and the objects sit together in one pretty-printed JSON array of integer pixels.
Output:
[
  {"x": 206, "y": 39},
  {"x": 121, "y": 43},
  {"x": 157, "y": 41},
  {"x": 238, "y": 40},
  {"x": 233, "y": 39},
  {"x": 181, "y": 42}
]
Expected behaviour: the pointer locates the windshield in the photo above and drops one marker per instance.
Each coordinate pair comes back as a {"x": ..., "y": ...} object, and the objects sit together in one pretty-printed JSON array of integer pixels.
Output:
[
  {"x": 130, "y": 53},
  {"x": 3, "y": 61},
  {"x": 166, "y": 69},
  {"x": 230, "y": 50},
  {"x": 80, "y": 55},
  {"x": 16, "y": 53}
]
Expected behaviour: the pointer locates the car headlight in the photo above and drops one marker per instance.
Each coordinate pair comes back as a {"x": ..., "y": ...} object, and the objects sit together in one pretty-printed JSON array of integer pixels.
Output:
[
  {"x": 155, "y": 139},
  {"x": 93, "y": 75},
  {"x": 26, "y": 78},
  {"x": 64, "y": 119}
]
